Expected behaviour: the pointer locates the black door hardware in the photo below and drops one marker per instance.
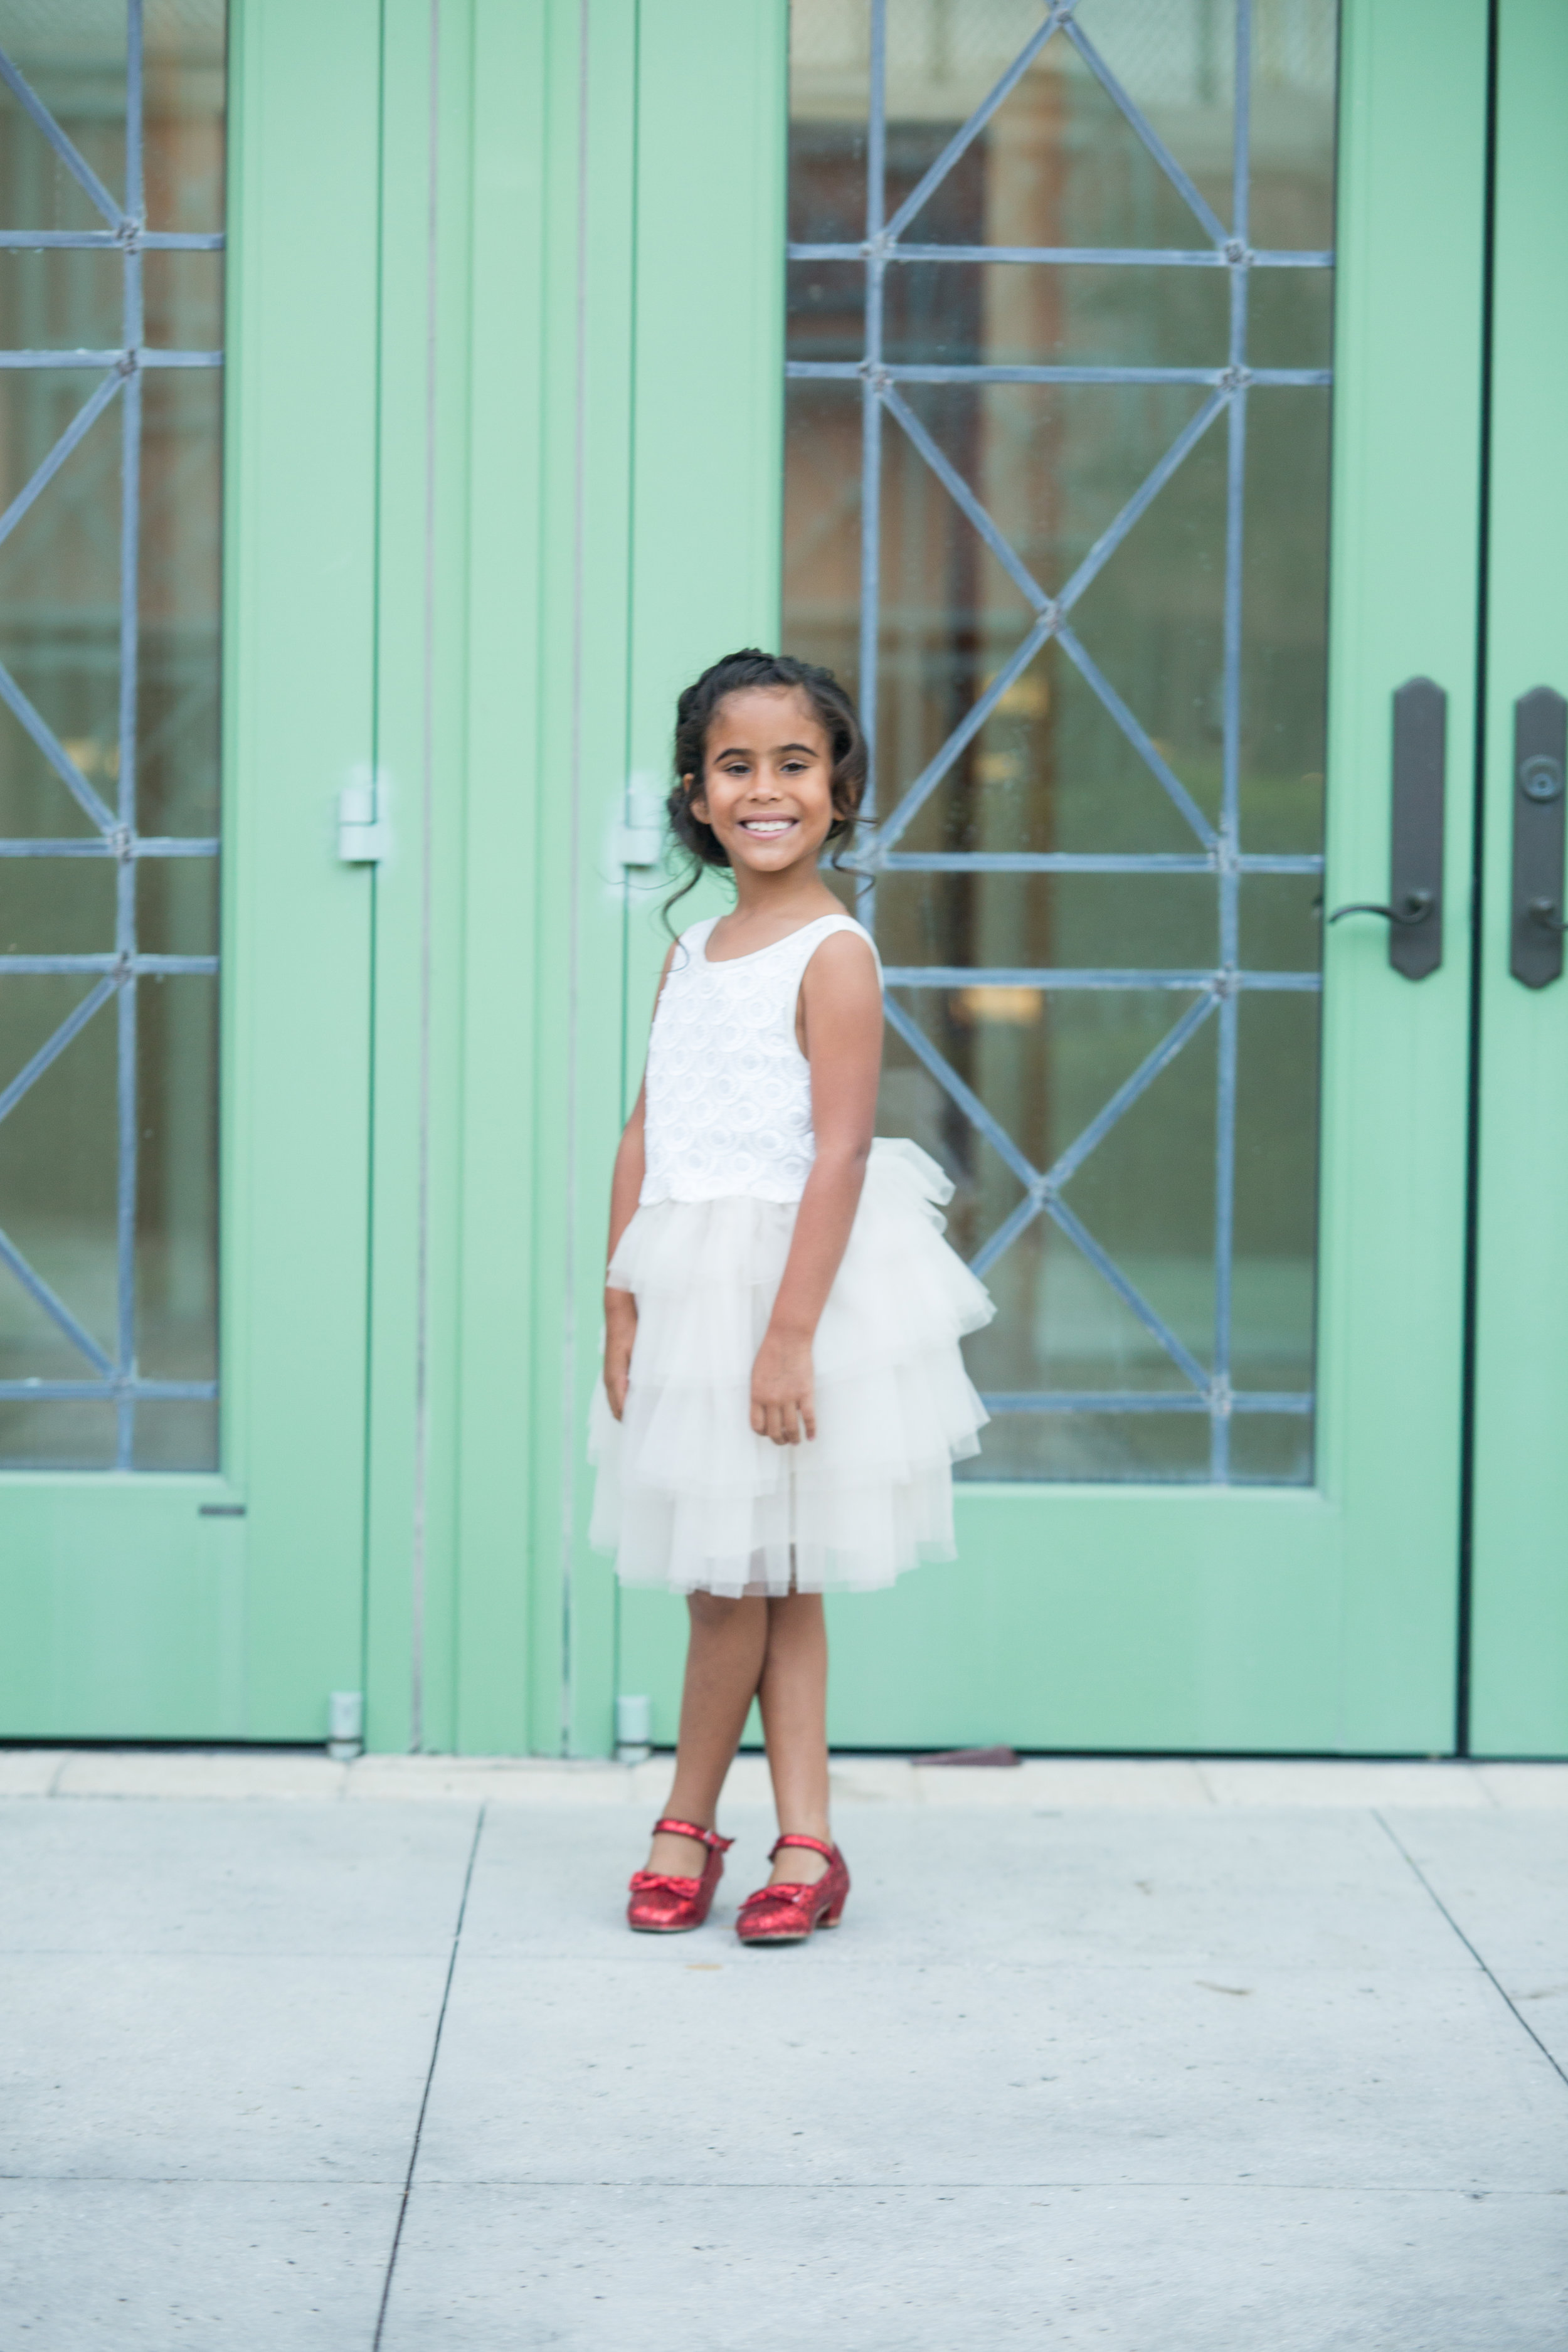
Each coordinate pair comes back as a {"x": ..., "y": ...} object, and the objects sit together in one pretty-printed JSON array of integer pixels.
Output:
[
  {"x": 1414, "y": 912},
  {"x": 1540, "y": 743}
]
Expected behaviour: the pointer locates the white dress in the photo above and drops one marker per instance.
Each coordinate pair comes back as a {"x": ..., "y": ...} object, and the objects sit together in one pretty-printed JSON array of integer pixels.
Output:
[{"x": 688, "y": 1497}]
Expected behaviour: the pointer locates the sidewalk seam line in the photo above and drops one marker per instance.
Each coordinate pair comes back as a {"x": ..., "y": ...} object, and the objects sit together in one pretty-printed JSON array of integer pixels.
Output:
[
  {"x": 430, "y": 2078},
  {"x": 1553, "y": 2061}
]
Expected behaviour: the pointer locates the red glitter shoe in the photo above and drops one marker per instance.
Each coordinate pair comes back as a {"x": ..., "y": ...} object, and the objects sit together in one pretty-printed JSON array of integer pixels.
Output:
[
  {"x": 788, "y": 1913},
  {"x": 663, "y": 1905}
]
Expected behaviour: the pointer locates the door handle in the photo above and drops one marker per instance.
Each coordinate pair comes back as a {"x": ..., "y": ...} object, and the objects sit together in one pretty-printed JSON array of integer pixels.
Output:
[
  {"x": 1414, "y": 910},
  {"x": 1540, "y": 744}
]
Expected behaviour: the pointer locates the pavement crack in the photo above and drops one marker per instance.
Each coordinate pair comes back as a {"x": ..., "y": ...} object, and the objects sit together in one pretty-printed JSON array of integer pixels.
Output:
[
  {"x": 430, "y": 2078},
  {"x": 1498, "y": 1986}
]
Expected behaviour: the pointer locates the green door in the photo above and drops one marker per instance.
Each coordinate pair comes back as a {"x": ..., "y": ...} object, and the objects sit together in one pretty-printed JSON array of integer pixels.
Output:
[
  {"x": 1062, "y": 495},
  {"x": 186, "y": 636},
  {"x": 1518, "y": 1665}
]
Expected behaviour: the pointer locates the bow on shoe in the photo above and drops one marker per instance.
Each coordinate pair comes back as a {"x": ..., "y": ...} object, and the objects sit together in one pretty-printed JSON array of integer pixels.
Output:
[{"x": 660, "y": 1882}]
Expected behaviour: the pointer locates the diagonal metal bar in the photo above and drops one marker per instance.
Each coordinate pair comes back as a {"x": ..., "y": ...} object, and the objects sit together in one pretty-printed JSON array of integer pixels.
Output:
[
  {"x": 1008, "y": 1232},
  {"x": 964, "y": 497},
  {"x": 54, "y": 1306},
  {"x": 53, "y": 1046},
  {"x": 1127, "y": 1292},
  {"x": 966, "y": 136},
  {"x": 969, "y": 726},
  {"x": 1142, "y": 742},
  {"x": 1040, "y": 1192},
  {"x": 1066, "y": 1166},
  {"x": 75, "y": 433},
  {"x": 70, "y": 153},
  {"x": 1143, "y": 498},
  {"x": 1184, "y": 186},
  {"x": 1048, "y": 623},
  {"x": 966, "y": 1099},
  {"x": 54, "y": 752},
  {"x": 1063, "y": 1169}
]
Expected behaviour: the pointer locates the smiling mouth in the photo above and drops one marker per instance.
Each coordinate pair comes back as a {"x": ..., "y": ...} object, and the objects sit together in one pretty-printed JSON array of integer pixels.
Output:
[{"x": 766, "y": 828}]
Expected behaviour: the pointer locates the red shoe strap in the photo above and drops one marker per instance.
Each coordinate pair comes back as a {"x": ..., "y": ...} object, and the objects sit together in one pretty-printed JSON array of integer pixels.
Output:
[
  {"x": 709, "y": 1838},
  {"x": 816, "y": 1845}
]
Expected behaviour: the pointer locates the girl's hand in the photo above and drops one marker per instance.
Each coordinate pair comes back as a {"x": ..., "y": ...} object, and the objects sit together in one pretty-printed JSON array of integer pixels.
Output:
[
  {"x": 620, "y": 1330},
  {"x": 783, "y": 1402}
]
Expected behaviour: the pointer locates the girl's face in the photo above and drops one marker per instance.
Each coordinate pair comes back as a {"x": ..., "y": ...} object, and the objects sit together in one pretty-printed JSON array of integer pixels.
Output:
[{"x": 767, "y": 789}]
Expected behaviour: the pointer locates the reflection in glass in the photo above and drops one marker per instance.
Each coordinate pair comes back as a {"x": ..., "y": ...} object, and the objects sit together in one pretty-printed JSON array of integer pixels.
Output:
[
  {"x": 110, "y": 470},
  {"x": 1061, "y": 519}
]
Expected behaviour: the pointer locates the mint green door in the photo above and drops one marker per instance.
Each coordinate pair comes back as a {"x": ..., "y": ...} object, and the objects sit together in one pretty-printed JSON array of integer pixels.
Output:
[
  {"x": 184, "y": 1157},
  {"x": 1518, "y": 1665},
  {"x": 1060, "y": 485}
]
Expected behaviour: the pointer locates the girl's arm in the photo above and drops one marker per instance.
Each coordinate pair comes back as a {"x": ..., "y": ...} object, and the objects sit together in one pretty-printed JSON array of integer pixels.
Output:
[
  {"x": 842, "y": 1005},
  {"x": 620, "y": 1306}
]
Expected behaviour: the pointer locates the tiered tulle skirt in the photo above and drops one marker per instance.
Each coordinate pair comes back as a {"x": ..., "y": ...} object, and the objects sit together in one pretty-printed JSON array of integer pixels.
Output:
[{"x": 689, "y": 1498}]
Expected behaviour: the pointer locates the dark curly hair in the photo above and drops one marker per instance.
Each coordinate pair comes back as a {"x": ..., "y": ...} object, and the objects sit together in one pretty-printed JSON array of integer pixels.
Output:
[{"x": 695, "y": 713}]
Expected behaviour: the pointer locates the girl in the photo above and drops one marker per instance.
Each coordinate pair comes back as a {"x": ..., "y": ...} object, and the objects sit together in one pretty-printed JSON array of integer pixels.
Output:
[{"x": 784, "y": 1393}]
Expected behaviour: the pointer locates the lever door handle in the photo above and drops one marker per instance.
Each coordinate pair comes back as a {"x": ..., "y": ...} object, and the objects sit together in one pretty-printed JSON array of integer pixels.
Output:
[
  {"x": 1418, "y": 905},
  {"x": 1540, "y": 744},
  {"x": 1414, "y": 910}
]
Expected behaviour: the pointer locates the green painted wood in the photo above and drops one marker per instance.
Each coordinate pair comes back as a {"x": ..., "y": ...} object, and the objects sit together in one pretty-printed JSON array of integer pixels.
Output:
[
  {"x": 1255, "y": 1618},
  {"x": 422, "y": 616},
  {"x": 1520, "y": 1661},
  {"x": 300, "y": 600},
  {"x": 506, "y": 594},
  {"x": 577, "y": 941},
  {"x": 125, "y": 1611},
  {"x": 129, "y": 1615},
  {"x": 1403, "y": 602}
]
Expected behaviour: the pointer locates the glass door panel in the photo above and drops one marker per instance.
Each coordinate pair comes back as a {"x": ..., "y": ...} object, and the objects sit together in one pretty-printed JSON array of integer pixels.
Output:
[
  {"x": 1056, "y": 500},
  {"x": 111, "y": 203}
]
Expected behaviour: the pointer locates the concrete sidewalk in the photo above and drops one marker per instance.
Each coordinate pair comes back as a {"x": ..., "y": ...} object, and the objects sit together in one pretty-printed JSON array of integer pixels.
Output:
[{"x": 1153, "y": 2057}]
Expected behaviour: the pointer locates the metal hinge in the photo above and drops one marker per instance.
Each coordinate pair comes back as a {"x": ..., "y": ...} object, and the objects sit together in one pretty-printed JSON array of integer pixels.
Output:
[
  {"x": 639, "y": 836},
  {"x": 363, "y": 833}
]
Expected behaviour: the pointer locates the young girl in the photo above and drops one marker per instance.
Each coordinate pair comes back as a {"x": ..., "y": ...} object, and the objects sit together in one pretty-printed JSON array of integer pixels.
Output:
[{"x": 783, "y": 1393}]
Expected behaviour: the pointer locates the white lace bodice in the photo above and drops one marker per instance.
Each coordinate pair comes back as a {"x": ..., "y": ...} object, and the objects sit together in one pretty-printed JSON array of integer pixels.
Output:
[{"x": 728, "y": 1091}]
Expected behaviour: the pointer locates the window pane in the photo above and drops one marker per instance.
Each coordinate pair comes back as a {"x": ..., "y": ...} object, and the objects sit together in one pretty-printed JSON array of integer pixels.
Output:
[
  {"x": 109, "y": 740},
  {"x": 1094, "y": 580}
]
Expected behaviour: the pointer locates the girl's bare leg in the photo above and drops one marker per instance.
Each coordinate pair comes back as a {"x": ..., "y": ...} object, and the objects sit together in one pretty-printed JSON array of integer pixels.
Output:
[
  {"x": 794, "y": 1698},
  {"x": 723, "y": 1667}
]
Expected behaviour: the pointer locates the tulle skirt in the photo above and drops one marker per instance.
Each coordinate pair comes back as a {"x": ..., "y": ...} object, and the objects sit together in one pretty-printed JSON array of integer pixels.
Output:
[{"x": 688, "y": 1498}]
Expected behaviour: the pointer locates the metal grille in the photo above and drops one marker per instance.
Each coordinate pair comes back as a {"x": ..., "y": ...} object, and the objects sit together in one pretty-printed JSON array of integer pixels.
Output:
[
  {"x": 108, "y": 1375},
  {"x": 1230, "y": 383}
]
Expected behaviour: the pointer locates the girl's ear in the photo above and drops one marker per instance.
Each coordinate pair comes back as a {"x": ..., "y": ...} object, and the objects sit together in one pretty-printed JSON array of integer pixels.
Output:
[{"x": 695, "y": 801}]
